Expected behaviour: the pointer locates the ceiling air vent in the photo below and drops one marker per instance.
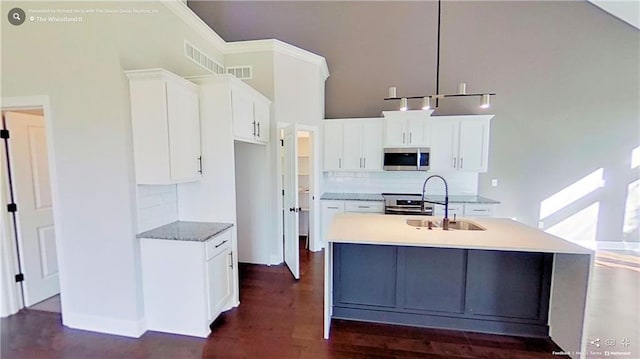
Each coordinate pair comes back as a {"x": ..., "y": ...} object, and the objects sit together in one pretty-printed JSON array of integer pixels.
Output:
[
  {"x": 200, "y": 58},
  {"x": 241, "y": 72}
]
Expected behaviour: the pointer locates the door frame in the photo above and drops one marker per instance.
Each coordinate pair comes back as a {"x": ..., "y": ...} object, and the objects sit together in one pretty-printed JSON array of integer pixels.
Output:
[
  {"x": 315, "y": 244},
  {"x": 11, "y": 291}
]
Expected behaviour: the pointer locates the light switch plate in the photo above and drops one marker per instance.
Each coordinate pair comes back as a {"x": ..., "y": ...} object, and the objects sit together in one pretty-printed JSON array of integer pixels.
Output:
[{"x": 494, "y": 182}]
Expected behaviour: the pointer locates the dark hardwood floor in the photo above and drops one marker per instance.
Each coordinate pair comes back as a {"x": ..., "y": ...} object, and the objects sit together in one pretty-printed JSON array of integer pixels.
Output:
[{"x": 279, "y": 317}]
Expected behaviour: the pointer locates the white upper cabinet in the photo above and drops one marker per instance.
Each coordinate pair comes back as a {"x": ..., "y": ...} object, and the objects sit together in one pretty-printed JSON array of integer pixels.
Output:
[
  {"x": 459, "y": 143},
  {"x": 332, "y": 145},
  {"x": 166, "y": 127},
  {"x": 251, "y": 113},
  {"x": 406, "y": 128},
  {"x": 353, "y": 145}
]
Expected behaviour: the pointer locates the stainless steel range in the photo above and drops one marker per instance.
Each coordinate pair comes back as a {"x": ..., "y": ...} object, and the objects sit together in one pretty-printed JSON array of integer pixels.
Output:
[{"x": 406, "y": 204}]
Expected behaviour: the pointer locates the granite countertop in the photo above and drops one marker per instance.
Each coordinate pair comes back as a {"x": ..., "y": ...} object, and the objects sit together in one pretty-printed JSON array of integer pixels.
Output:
[
  {"x": 186, "y": 231},
  {"x": 378, "y": 197},
  {"x": 352, "y": 196}
]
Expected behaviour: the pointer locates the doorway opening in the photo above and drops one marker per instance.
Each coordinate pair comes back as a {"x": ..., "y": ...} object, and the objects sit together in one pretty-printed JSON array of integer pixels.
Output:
[
  {"x": 30, "y": 234},
  {"x": 298, "y": 182}
]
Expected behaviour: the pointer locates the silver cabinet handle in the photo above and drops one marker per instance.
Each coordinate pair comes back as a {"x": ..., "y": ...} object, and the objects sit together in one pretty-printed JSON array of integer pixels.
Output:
[
  {"x": 258, "y": 129},
  {"x": 333, "y": 207},
  {"x": 410, "y": 137},
  {"x": 364, "y": 162},
  {"x": 460, "y": 162},
  {"x": 454, "y": 162},
  {"x": 403, "y": 137},
  {"x": 339, "y": 162},
  {"x": 360, "y": 162},
  {"x": 364, "y": 206},
  {"x": 231, "y": 256},
  {"x": 221, "y": 243},
  {"x": 254, "y": 127}
]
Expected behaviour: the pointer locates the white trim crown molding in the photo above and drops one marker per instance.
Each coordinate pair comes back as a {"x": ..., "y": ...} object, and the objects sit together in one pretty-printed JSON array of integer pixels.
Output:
[{"x": 192, "y": 20}]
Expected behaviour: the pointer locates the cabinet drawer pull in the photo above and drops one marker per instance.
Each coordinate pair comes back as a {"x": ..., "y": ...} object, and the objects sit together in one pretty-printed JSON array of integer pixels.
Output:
[
  {"x": 460, "y": 162},
  {"x": 364, "y": 206},
  {"x": 410, "y": 137},
  {"x": 258, "y": 129},
  {"x": 339, "y": 162},
  {"x": 254, "y": 127},
  {"x": 200, "y": 164},
  {"x": 364, "y": 162},
  {"x": 454, "y": 162},
  {"x": 403, "y": 137},
  {"x": 481, "y": 210},
  {"x": 333, "y": 207},
  {"x": 221, "y": 243}
]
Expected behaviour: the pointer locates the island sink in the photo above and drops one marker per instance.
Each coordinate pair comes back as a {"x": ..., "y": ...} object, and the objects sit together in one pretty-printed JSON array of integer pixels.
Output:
[{"x": 463, "y": 225}]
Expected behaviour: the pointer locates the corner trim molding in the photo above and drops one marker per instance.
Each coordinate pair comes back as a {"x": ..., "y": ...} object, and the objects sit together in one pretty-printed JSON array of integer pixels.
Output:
[{"x": 240, "y": 47}]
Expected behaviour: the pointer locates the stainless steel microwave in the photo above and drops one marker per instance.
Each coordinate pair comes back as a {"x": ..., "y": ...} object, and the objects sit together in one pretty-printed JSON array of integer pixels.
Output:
[{"x": 406, "y": 159}]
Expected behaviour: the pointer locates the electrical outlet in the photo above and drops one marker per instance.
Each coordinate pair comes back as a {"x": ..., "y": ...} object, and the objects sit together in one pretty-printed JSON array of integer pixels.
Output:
[{"x": 494, "y": 182}]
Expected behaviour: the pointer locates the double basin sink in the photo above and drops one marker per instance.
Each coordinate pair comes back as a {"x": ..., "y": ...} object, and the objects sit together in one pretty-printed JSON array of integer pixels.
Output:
[{"x": 461, "y": 225}]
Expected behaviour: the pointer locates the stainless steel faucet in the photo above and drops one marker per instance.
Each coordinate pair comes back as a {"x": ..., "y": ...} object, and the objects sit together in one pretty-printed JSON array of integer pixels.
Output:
[{"x": 445, "y": 221}]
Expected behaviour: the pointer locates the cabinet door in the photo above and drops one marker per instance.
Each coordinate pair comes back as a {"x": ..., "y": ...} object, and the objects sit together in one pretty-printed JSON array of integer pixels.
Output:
[
  {"x": 417, "y": 132},
  {"x": 364, "y": 207},
  {"x": 394, "y": 130},
  {"x": 352, "y": 145},
  {"x": 478, "y": 210},
  {"x": 474, "y": 145},
  {"x": 219, "y": 281},
  {"x": 243, "y": 120},
  {"x": 434, "y": 279},
  {"x": 372, "y": 145},
  {"x": 332, "y": 145},
  {"x": 184, "y": 132},
  {"x": 508, "y": 284},
  {"x": 365, "y": 274},
  {"x": 263, "y": 123},
  {"x": 329, "y": 210},
  {"x": 444, "y": 144}
]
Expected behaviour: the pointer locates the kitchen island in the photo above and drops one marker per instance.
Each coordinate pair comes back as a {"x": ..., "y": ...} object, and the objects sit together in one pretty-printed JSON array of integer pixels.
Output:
[{"x": 504, "y": 278}]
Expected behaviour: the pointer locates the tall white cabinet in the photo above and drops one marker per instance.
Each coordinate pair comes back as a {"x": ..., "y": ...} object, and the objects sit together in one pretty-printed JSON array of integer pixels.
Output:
[
  {"x": 406, "y": 128},
  {"x": 166, "y": 127},
  {"x": 353, "y": 144},
  {"x": 460, "y": 143},
  {"x": 250, "y": 112}
]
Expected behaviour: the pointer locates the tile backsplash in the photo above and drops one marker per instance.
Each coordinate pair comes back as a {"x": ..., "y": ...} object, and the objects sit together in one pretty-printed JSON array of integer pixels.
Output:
[
  {"x": 157, "y": 206},
  {"x": 460, "y": 183}
]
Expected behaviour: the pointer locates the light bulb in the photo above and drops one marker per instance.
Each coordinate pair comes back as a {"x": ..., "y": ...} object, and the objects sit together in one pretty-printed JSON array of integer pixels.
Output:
[
  {"x": 484, "y": 101},
  {"x": 403, "y": 104},
  {"x": 426, "y": 103}
]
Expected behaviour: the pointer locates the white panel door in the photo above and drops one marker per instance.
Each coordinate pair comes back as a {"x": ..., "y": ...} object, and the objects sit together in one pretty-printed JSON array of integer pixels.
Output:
[
  {"x": 372, "y": 147},
  {"x": 291, "y": 207},
  {"x": 444, "y": 144},
  {"x": 352, "y": 145},
  {"x": 244, "y": 126},
  {"x": 394, "y": 130},
  {"x": 332, "y": 145},
  {"x": 184, "y": 132},
  {"x": 32, "y": 193},
  {"x": 416, "y": 132},
  {"x": 219, "y": 281},
  {"x": 474, "y": 145},
  {"x": 263, "y": 124}
]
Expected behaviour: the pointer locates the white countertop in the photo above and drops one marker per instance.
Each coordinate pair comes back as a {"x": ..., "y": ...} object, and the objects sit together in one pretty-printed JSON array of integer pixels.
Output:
[{"x": 500, "y": 234}]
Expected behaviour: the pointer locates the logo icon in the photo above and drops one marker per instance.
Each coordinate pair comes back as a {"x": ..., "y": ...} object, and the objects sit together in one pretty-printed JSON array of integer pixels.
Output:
[
  {"x": 610, "y": 342},
  {"x": 625, "y": 342},
  {"x": 16, "y": 16},
  {"x": 595, "y": 342}
]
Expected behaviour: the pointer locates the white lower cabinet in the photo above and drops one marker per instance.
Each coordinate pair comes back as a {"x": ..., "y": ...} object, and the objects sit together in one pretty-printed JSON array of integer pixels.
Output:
[
  {"x": 186, "y": 284},
  {"x": 465, "y": 210},
  {"x": 332, "y": 207},
  {"x": 363, "y": 207},
  {"x": 478, "y": 210}
]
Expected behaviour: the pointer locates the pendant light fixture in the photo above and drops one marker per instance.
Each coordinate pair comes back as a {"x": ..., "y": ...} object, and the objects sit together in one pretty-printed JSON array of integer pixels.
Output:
[{"x": 485, "y": 101}]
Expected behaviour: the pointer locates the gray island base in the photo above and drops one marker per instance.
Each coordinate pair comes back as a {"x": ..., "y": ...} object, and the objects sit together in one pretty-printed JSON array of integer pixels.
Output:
[{"x": 507, "y": 279}]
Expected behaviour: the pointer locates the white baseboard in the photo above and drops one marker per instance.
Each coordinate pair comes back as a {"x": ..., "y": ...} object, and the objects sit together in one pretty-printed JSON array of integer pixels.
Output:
[
  {"x": 610, "y": 245},
  {"x": 275, "y": 260},
  {"x": 126, "y": 328}
]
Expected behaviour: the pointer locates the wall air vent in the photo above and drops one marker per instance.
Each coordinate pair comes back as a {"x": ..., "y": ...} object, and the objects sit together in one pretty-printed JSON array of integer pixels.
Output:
[
  {"x": 241, "y": 72},
  {"x": 200, "y": 58}
]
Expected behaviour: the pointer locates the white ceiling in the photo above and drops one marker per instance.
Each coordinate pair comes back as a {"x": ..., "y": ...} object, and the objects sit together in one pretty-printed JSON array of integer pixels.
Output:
[{"x": 626, "y": 10}]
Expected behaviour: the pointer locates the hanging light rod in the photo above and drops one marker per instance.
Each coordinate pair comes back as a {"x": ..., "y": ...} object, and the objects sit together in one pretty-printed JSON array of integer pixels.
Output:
[{"x": 426, "y": 100}]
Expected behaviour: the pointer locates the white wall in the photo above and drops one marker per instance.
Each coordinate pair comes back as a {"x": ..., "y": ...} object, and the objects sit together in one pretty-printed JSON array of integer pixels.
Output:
[
  {"x": 80, "y": 67},
  {"x": 399, "y": 182},
  {"x": 157, "y": 206}
]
